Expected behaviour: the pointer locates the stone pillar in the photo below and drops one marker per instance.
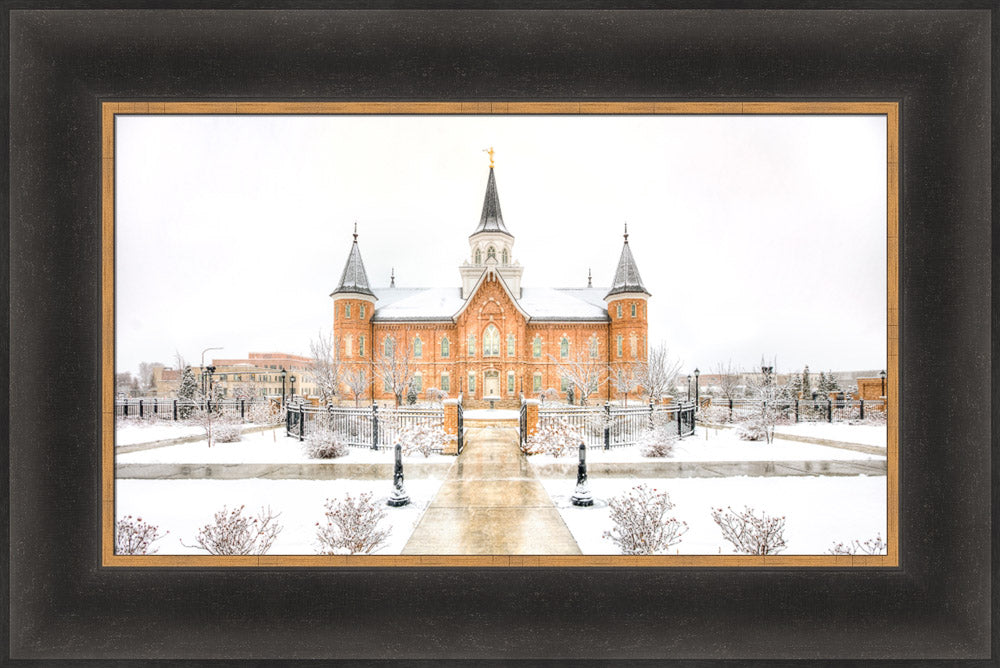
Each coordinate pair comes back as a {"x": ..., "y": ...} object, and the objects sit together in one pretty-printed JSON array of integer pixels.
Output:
[
  {"x": 532, "y": 416},
  {"x": 451, "y": 426}
]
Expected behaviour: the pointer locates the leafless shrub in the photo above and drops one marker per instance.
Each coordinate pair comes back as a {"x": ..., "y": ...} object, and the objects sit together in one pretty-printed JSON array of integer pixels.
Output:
[
  {"x": 423, "y": 439},
  {"x": 871, "y": 546},
  {"x": 753, "y": 429},
  {"x": 641, "y": 525},
  {"x": 555, "y": 438},
  {"x": 324, "y": 442},
  {"x": 750, "y": 534},
  {"x": 266, "y": 412},
  {"x": 352, "y": 526},
  {"x": 713, "y": 414},
  {"x": 228, "y": 430},
  {"x": 435, "y": 395},
  {"x": 134, "y": 536},
  {"x": 234, "y": 534}
]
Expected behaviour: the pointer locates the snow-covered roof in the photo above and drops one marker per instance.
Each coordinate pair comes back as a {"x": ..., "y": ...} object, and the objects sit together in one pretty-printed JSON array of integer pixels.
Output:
[
  {"x": 491, "y": 219},
  {"x": 354, "y": 278},
  {"x": 553, "y": 304},
  {"x": 627, "y": 277}
]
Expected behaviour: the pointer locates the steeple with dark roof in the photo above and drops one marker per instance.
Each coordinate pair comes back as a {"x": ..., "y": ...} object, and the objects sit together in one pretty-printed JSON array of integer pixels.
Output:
[
  {"x": 354, "y": 279},
  {"x": 627, "y": 277},
  {"x": 491, "y": 220}
]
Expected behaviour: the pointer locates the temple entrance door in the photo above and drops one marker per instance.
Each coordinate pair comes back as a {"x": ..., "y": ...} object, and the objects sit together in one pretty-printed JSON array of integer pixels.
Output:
[{"x": 491, "y": 384}]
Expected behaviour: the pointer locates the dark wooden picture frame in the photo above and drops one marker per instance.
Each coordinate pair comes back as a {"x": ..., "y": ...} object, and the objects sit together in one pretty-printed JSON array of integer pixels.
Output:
[{"x": 64, "y": 604}]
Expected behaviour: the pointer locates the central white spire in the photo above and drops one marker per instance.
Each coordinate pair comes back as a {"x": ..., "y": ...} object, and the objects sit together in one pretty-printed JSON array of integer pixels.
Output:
[{"x": 491, "y": 245}]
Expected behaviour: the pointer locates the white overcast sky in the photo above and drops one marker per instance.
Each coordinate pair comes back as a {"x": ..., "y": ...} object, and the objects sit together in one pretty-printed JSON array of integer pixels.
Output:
[{"x": 756, "y": 235}]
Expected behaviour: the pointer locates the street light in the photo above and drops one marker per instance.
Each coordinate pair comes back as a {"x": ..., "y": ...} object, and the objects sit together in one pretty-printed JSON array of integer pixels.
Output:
[
  {"x": 696, "y": 393},
  {"x": 689, "y": 387},
  {"x": 202, "y": 367},
  {"x": 210, "y": 369},
  {"x": 292, "y": 381},
  {"x": 283, "y": 395},
  {"x": 881, "y": 375}
]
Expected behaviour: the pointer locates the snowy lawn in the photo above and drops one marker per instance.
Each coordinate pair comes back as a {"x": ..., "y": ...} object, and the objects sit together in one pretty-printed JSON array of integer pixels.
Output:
[
  {"x": 819, "y": 511},
  {"x": 149, "y": 431},
  {"x": 864, "y": 434},
  {"x": 264, "y": 447},
  {"x": 300, "y": 503},
  {"x": 718, "y": 445}
]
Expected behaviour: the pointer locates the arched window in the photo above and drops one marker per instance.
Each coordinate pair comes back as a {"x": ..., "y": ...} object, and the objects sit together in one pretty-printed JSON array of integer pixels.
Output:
[
  {"x": 491, "y": 342},
  {"x": 536, "y": 383},
  {"x": 505, "y": 257},
  {"x": 593, "y": 346},
  {"x": 418, "y": 346},
  {"x": 633, "y": 309},
  {"x": 361, "y": 311},
  {"x": 491, "y": 254},
  {"x": 348, "y": 344},
  {"x": 361, "y": 346},
  {"x": 472, "y": 345},
  {"x": 511, "y": 345},
  {"x": 445, "y": 348},
  {"x": 564, "y": 347},
  {"x": 536, "y": 346},
  {"x": 347, "y": 310},
  {"x": 389, "y": 346},
  {"x": 418, "y": 382},
  {"x": 619, "y": 342},
  {"x": 479, "y": 256},
  {"x": 619, "y": 310}
]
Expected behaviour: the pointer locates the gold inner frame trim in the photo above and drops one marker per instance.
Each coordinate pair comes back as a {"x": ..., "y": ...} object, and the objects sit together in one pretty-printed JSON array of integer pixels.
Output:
[{"x": 111, "y": 109}]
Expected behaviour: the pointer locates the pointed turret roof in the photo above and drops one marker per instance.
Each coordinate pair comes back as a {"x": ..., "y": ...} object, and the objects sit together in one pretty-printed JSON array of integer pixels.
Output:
[
  {"x": 354, "y": 278},
  {"x": 491, "y": 220},
  {"x": 627, "y": 277}
]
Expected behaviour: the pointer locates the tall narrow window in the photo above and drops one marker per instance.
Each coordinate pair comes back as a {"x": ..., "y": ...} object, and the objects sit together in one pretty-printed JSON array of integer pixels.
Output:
[
  {"x": 348, "y": 344},
  {"x": 418, "y": 346},
  {"x": 593, "y": 346},
  {"x": 536, "y": 346},
  {"x": 445, "y": 382},
  {"x": 510, "y": 382},
  {"x": 491, "y": 254},
  {"x": 361, "y": 346},
  {"x": 472, "y": 383},
  {"x": 618, "y": 310},
  {"x": 389, "y": 346},
  {"x": 445, "y": 347},
  {"x": 619, "y": 342},
  {"x": 491, "y": 342},
  {"x": 633, "y": 309},
  {"x": 505, "y": 257},
  {"x": 564, "y": 384},
  {"x": 347, "y": 310},
  {"x": 511, "y": 345},
  {"x": 564, "y": 347},
  {"x": 417, "y": 383},
  {"x": 633, "y": 344},
  {"x": 536, "y": 383},
  {"x": 472, "y": 345},
  {"x": 479, "y": 256},
  {"x": 361, "y": 311},
  {"x": 386, "y": 384}
]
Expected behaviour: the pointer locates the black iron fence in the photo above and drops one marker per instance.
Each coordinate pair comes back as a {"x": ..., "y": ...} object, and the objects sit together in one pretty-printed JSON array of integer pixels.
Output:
[
  {"x": 366, "y": 427},
  {"x": 610, "y": 426},
  {"x": 460, "y": 425},
  {"x": 180, "y": 409},
  {"x": 802, "y": 410}
]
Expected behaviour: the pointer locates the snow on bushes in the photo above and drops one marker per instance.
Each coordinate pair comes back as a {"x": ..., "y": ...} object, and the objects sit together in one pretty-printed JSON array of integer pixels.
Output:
[
  {"x": 324, "y": 442},
  {"x": 754, "y": 429},
  {"x": 134, "y": 536},
  {"x": 713, "y": 414},
  {"x": 641, "y": 525},
  {"x": 228, "y": 430},
  {"x": 555, "y": 438},
  {"x": 750, "y": 533},
  {"x": 232, "y": 533},
  {"x": 265, "y": 412},
  {"x": 422, "y": 438},
  {"x": 660, "y": 440},
  {"x": 352, "y": 526},
  {"x": 871, "y": 546}
]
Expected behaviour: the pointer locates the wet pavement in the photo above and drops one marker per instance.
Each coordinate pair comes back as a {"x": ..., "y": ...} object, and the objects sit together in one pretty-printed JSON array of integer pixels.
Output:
[{"x": 491, "y": 503}]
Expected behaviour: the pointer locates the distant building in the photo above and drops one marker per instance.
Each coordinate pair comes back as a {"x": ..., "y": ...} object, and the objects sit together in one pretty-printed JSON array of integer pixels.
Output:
[
  {"x": 259, "y": 374},
  {"x": 491, "y": 336}
]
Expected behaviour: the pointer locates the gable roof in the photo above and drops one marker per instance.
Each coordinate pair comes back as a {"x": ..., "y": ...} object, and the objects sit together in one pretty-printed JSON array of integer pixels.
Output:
[
  {"x": 491, "y": 219},
  {"x": 354, "y": 278}
]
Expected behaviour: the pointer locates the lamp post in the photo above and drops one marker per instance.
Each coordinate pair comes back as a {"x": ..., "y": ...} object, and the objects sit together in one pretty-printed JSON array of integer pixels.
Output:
[
  {"x": 291, "y": 379},
  {"x": 696, "y": 388},
  {"x": 881, "y": 375},
  {"x": 689, "y": 386},
  {"x": 210, "y": 369},
  {"x": 202, "y": 367},
  {"x": 283, "y": 395}
]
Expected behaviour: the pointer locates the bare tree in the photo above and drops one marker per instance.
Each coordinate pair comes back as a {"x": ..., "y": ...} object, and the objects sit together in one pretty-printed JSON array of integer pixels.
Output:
[
  {"x": 772, "y": 398},
  {"x": 394, "y": 369},
  {"x": 659, "y": 372},
  {"x": 357, "y": 380},
  {"x": 625, "y": 378},
  {"x": 325, "y": 366},
  {"x": 583, "y": 371},
  {"x": 729, "y": 378}
]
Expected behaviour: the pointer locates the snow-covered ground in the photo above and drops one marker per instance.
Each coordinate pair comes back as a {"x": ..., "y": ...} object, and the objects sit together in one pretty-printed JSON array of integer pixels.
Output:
[
  {"x": 264, "y": 447},
  {"x": 819, "y": 511},
  {"x": 140, "y": 431},
  {"x": 718, "y": 445},
  {"x": 864, "y": 434},
  {"x": 300, "y": 503}
]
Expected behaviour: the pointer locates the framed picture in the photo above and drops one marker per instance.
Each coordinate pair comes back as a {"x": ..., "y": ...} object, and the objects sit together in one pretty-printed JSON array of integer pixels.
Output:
[{"x": 72, "y": 597}]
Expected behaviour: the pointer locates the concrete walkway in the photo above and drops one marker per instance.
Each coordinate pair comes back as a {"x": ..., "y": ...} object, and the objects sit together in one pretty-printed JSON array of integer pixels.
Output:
[{"x": 491, "y": 503}]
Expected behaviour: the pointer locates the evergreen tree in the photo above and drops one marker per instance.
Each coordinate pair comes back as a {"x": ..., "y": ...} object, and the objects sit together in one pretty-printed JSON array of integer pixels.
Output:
[
  {"x": 822, "y": 383},
  {"x": 831, "y": 383},
  {"x": 806, "y": 383},
  {"x": 186, "y": 393}
]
